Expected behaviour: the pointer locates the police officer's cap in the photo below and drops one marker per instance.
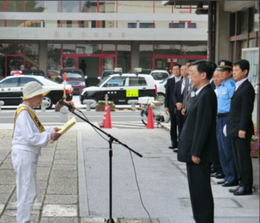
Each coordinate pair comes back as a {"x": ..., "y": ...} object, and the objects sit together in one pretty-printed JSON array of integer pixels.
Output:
[{"x": 224, "y": 65}]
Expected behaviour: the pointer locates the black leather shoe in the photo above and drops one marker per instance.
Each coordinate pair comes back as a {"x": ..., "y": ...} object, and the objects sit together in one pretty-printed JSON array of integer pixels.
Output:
[
  {"x": 212, "y": 170},
  {"x": 220, "y": 176},
  {"x": 221, "y": 182},
  {"x": 232, "y": 190},
  {"x": 230, "y": 184},
  {"x": 243, "y": 191},
  {"x": 175, "y": 150},
  {"x": 170, "y": 147},
  {"x": 214, "y": 174}
]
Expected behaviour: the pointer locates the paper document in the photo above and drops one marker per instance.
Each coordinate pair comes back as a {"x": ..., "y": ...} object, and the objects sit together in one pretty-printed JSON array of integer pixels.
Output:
[{"x": 67, "y": 126}]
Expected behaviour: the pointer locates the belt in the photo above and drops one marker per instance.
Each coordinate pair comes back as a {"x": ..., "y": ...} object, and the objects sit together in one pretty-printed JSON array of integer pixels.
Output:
[{"x": 222, "y": 115}]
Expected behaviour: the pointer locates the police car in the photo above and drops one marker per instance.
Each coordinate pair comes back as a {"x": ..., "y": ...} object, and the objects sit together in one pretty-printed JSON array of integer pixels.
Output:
[
  {"x": 11, "y": 89},
  {"x": 121, "y": 88}
]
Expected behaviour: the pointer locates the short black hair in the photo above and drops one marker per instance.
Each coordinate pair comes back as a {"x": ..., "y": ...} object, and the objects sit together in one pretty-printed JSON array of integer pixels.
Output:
[
  {"x": 243, "y": 64},
  {"x": 205, "y": 66},
  {"x": 189, "y": 63},
  {"x": 176, "y": 65}
]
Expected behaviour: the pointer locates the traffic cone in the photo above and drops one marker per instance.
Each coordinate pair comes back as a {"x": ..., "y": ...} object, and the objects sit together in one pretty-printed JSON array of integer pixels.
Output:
[
  {"x": 107, "y": 118},
  {"x": 150, "y": 123}
]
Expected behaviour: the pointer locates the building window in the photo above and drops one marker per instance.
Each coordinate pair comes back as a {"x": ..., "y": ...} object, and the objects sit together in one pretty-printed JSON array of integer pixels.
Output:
[
  {"x": 22, "y": 6},
  {"x": 192, "y": 25},
  {"x": 132, "y": 25},
  {"x": 68, "y": 6},
  {"x": 54, "y": 53},
  {"x": 146, "y": 25},
  {"x": 146, "y": 53},
  {"x": 98, "y": 24},
  {"x": 69, "y": 23},
  {"x": 176, "y": 25},
  {"x": 124, "y": 56}
]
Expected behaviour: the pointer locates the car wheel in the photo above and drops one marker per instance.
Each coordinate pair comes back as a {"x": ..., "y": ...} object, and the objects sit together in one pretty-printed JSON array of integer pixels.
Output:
[{"x": 48, "y": 102}]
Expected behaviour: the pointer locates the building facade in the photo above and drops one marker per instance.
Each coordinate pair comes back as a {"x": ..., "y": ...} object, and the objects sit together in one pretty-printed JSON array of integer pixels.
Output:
[{"x": 96, "y": 35}]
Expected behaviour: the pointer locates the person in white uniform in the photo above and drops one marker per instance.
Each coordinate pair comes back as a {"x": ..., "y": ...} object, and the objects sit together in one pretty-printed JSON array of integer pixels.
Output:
[{"x": 29, "y": 136}]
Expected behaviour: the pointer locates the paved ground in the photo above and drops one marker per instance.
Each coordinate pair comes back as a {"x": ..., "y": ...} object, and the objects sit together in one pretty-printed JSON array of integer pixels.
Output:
[{"x": 72, "y": 181}]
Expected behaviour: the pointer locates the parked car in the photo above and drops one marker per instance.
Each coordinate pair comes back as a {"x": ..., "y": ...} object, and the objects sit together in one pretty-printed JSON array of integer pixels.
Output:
[
  {"x": 11, "y": 89},
  {"x": 76, "y": 81},
  {"x": 74, "y": 70},
  {"x": 120, "y": 88},
  {"x": 160, "y": 77}
]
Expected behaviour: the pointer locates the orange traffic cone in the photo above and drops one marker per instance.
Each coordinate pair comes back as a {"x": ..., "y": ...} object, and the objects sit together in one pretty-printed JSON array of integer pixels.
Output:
[
  {"x": 150, "y": 123},
  {"x": 107, "y": 118}
]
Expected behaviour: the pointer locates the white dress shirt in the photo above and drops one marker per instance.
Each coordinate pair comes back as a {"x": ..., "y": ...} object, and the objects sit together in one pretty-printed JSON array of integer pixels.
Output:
[
  {"x": 177, "y": 79},
  {"x": 199, "y": 90},
  {"x": 238, "y": 83}
]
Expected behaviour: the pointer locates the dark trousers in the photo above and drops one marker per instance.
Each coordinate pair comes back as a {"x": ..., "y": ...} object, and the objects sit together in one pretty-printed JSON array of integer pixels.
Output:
[
  {"x": 216, "y": 166},
  {"x": 200, "y": 192},
  {"x": 225, "y": 151},
  {"x": 180, "y": 121},
  {"x": 243, "y": 162},
  {"x": 173, "y": 130}
]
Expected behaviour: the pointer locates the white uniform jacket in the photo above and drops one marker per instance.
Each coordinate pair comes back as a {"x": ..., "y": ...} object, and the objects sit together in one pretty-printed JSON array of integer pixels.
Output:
[{"x": 27, "y": 136}]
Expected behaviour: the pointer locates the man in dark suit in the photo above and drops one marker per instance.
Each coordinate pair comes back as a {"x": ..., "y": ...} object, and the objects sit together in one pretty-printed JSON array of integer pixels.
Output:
[
  {"x": 180, "y": 88},
  {"x": 198, "y": 143},
  {"x": 170, "y": 102},
  {"x": 240, "y": 127}
]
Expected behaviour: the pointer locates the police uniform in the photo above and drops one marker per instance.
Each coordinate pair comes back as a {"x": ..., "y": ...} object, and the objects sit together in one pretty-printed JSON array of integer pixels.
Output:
[
  {"x": 28, "y": 137},
  {"x": 224, "y": 94}
]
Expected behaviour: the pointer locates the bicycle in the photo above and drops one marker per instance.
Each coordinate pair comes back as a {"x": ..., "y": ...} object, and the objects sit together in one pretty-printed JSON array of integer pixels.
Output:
[{"x": 157, "y": 107}]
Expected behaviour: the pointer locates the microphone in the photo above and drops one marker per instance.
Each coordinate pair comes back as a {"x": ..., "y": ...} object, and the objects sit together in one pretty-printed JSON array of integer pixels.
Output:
[{"x": 63, "y": 102}]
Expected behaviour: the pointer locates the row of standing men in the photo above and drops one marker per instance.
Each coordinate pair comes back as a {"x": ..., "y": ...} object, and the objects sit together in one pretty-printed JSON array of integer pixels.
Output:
[{"x": 202, "y": 141}]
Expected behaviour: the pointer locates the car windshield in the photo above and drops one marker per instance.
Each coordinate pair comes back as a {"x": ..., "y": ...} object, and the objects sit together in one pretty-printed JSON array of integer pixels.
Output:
[
  {"x": 102, "y": 81},
  {"x": 74, "y": 75},
  {"x": 159, "y": 75},
  {"x": 11, "y": 82},
  {"x": 115, "y": 82}
]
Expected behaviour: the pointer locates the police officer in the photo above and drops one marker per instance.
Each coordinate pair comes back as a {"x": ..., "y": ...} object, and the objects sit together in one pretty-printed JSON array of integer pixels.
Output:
[{"x": 224, "y": 94}]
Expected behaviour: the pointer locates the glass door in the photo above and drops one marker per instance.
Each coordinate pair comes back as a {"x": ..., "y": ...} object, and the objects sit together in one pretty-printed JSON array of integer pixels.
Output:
[
  {"x": 107, "y": 63},
  {"x": 69, "y": 61},
  {"x": 92, "y": 65}
]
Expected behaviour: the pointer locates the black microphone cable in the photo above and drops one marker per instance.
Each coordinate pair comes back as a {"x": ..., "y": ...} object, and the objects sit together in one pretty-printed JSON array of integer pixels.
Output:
[
  {"x": 139, "y": 190},
  {"x": 92, "y": 126},
  {"x": 70, "y": 107}
]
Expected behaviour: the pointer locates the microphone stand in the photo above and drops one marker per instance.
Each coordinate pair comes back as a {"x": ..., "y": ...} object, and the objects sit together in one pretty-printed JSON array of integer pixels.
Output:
[{"x": 110, "y": 141}]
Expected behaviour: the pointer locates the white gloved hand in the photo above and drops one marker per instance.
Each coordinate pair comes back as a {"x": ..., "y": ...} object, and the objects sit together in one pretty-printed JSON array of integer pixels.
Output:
[{"x": 225, "y": 130}]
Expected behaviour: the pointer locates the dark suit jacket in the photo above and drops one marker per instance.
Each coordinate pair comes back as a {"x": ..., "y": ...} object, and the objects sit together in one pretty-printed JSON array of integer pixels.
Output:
[
  {"x": 177, "y": 91},
  {"x": 198, "y": 136},
  {"x": 240, "y": 115},
  {"x": 170, "y": 99}
]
